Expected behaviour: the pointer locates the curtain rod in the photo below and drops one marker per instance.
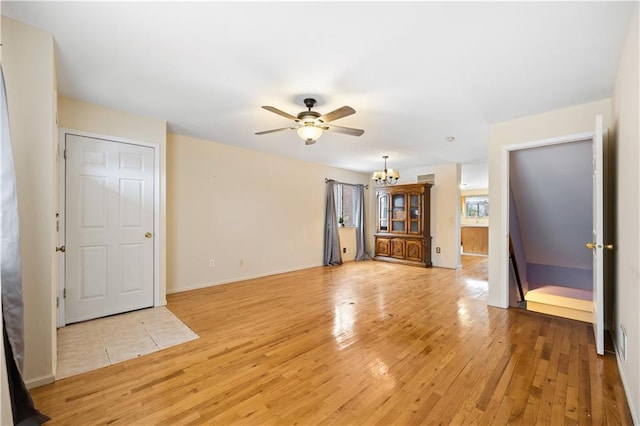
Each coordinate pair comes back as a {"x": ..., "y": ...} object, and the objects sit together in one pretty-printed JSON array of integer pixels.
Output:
[{"x": 344, "y": 183}]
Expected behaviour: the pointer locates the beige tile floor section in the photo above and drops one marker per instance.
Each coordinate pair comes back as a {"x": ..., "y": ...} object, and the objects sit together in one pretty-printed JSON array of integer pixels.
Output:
[{"x": 97, "y": 343}]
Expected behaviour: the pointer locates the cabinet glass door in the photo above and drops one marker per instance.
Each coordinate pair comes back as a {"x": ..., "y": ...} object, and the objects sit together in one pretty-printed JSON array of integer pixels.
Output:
[
  {"x": 398, "y": 213},
  {"x": 383, "y": 213},
  {"x": 414, "y": 214}
]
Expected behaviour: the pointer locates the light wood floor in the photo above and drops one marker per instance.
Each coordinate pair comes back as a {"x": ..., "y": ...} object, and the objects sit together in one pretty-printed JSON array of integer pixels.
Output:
[{"x": 363, "y": 343}]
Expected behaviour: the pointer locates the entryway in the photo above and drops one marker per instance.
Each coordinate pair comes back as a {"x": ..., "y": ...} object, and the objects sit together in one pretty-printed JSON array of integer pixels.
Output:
[
  {"x": 107, "y": 226},
  {"x": 90, "y": 345}
]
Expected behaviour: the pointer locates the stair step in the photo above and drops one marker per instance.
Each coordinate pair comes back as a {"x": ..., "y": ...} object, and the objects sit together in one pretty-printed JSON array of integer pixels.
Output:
[{"x": 564, "y": 302}]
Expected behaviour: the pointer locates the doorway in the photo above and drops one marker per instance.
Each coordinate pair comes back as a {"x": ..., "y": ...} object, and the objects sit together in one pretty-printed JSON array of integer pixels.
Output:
[
  {"x": 594, "y": 241},
  {"x": 550, "y": 221},
  {"x": 107, "y": 226}
]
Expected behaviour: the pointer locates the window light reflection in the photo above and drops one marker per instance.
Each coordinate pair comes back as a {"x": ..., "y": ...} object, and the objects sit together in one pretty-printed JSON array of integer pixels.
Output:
[
  {"x": 477, "y": 288},
  {"x": 380, "y": 371},
  {"x": 343, "y": 321},
  {"x": 463, "y": 314}
]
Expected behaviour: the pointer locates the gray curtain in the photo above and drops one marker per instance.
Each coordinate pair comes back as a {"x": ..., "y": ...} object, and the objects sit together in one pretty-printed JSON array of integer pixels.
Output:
[
  {"x": 10, "y": 262},
  {"x": 361, "y": 246},
  {"x": 11, "y": 278},
  {"x": 332, "y": 254}
]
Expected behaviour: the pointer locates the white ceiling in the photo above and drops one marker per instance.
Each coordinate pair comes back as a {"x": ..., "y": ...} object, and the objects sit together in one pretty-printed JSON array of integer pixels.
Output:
[{"x": 415, "y": 72}]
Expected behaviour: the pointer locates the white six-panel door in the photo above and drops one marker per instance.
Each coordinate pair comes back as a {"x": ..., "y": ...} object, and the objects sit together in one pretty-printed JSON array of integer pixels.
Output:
[{"x": 109, "y": 189}]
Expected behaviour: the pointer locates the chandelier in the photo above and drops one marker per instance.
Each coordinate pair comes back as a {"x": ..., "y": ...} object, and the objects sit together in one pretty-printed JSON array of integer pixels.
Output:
[{"x": 387, "y": 176}]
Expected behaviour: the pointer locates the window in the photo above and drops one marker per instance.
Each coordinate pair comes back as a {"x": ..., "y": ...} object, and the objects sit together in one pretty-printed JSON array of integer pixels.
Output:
[
  {"x": 476, "y": 206},
  {"x": 345, "y": 204}
]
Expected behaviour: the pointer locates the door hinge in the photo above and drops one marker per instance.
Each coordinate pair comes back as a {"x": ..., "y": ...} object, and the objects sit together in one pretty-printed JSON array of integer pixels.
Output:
[
  {"x": 64, "y": 154},
  {"x": 57, "y": 302},
  {"x": 64, "y": 293}
]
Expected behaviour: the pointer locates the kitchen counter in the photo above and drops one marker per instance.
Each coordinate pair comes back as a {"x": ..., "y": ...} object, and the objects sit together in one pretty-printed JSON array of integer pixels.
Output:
[{"x": 475, "y": 239}]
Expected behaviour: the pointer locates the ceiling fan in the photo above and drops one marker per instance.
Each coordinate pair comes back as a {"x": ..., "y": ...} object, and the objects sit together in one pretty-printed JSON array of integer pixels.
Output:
[{"x": 311, "y": 124}]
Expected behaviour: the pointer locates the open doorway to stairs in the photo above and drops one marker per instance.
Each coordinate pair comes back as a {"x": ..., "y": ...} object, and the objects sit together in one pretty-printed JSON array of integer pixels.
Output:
[
  {"x": 553, "y": 200},
  {"x": 550, "y": 199}
]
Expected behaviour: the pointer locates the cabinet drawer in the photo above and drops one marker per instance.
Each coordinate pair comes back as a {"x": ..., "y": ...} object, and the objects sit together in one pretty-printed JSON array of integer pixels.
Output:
[
  {"x": 398, "y": 248},
  {"x": 414, "y": 250},
  {"x": 383, "y": 247}
]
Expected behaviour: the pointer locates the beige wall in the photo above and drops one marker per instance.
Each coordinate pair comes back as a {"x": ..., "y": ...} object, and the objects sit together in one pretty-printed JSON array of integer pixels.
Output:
[
  {"x": 76, "y": 115},
  {"x": 253, "y": 213},
  {"x": 28, "y": 64},
  {"x": 562, "y": 122},
  {"x": 348, "y": 242},
  {"x": 627, "y": 292},
  {"x": 445, "y": 211}
]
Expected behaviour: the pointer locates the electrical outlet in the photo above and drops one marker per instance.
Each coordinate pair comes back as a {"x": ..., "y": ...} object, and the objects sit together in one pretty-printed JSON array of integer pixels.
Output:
[
  {"x": 344, "y": 249},
  {"x": 437, "y": 249},
  {"x": 212, "y": 263}
]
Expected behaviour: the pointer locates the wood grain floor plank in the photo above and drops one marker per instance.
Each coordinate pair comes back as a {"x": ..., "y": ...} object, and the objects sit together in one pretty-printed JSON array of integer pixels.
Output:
[{"x": 362, "y": 343}]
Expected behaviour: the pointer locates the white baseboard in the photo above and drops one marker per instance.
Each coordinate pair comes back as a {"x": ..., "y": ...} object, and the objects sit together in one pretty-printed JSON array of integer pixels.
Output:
[
  {"x": 634, "y": 413},
  {"x": 40, "y": 381}
]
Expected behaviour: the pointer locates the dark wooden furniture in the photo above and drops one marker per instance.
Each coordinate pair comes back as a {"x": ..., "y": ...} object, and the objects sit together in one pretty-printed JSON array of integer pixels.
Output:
[{"x": 402, "y": 224}]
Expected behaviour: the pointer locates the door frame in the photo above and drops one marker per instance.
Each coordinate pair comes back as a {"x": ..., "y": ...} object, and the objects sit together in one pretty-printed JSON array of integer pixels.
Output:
[
  {"x": 504, "y": 206},
  {"x": 60, "y": 219}
]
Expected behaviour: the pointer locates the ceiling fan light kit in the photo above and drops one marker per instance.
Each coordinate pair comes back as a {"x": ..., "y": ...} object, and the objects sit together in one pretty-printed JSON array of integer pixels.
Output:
[
  {"x": 309, "y": 132},
  {"x": 386, "y": 176},
  {"x": 311, "y": 124}
]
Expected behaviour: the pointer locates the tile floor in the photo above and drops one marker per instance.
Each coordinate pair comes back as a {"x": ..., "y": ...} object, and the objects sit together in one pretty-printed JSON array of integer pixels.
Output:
[{"x": 97, "y": 343}]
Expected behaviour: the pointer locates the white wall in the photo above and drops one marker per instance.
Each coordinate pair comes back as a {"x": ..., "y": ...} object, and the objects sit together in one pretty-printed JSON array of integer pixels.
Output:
[
  {"x": 445, "y": 211},
  {"x": 77, "y": 115},
  {"x": 28, "y": 64},
  {"x": 627, "y": 137},
  {"x": 254, "y": 214},
  {"x": 567, "y": 121}
]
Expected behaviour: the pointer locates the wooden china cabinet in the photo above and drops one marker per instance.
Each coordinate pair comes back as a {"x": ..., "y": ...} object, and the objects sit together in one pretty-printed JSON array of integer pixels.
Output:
[{"x": 402, "y": 225}]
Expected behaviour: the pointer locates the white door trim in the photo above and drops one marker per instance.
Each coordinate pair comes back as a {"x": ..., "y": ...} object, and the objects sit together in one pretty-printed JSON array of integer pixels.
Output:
[
  {"x": 61, "y": 212},
  {"x": 504, "y": 207}
]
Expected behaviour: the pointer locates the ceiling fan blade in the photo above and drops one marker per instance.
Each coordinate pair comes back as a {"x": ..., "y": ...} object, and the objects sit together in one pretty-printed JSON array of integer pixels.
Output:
[
  {"x": 275, "y": 130},
  {"x": 282, "y": 113},
  {"x": 339, "y": 113},
  {"x": 345, "y": 130}
]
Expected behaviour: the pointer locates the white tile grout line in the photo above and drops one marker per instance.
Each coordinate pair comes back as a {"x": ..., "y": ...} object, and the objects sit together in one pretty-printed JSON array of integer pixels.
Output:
[
  {"x": 139, "y": 321},
  {"x": 104, "y": 345}
]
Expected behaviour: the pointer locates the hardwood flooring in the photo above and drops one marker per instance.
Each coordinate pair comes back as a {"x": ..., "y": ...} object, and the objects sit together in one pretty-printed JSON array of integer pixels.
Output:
[{"x": 363, "y": 343}]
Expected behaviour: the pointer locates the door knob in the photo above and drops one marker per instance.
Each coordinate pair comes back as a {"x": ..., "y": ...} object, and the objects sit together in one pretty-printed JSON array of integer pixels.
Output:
[
  {"x": 148, "y": 235},
  {"x": 608, "y": 246},
  {"x": 591, "y": 246}
]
